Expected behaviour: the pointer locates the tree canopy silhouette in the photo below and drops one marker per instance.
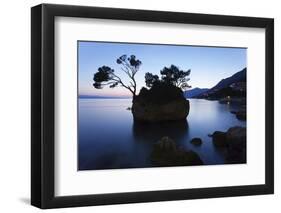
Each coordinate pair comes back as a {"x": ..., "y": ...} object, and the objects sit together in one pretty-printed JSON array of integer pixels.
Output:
[
  {"x": 169, "y": 75},
  {"x": 105, "y": 76},
  {"x": 150, "y": 79}
]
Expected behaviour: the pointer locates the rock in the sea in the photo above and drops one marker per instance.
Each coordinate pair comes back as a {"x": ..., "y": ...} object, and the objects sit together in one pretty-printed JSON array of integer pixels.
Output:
[
  {"x": 160, "y": 103},
  {"x": 234, "y": 142},
  {"x": 236, "y": 136},
  {"x": 236, "y": 150},
  {"x": 241, "y": 114},
  {"x": 196, "y": 141},
  {"x": 166, "y": 153},
  {"x": 219, "y": 139}
]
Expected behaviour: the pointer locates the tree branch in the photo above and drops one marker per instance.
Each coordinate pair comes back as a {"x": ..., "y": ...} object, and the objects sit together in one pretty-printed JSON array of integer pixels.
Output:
[{"x": 120, "y": 81}]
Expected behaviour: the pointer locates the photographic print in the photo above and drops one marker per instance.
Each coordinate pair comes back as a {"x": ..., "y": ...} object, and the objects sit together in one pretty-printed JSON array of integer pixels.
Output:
[
  {"x": 120, "y": 95},
  {"x": 157, "y": 105}
]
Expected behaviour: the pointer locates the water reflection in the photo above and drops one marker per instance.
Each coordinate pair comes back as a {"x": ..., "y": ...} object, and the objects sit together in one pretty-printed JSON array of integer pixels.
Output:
[{"x": 152, "y": 132}]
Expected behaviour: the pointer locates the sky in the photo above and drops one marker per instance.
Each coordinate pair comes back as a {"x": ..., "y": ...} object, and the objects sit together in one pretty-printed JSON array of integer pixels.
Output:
[{"x": 208, "y": 65}]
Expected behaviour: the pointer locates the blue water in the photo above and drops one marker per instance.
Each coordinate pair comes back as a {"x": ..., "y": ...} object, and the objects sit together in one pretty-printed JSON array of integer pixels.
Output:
[{"x": 109, "y": 139}]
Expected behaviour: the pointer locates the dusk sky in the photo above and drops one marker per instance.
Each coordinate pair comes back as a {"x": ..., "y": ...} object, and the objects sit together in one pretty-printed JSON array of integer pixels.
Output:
[{"x": 208, "y": 64}]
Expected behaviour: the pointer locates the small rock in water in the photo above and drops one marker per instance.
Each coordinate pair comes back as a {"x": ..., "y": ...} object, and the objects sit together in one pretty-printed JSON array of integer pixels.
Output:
[
  {"x": 196, "y": 141},
  {"x": 219, "y": 139},
  {"x": 240, "y": 115}
]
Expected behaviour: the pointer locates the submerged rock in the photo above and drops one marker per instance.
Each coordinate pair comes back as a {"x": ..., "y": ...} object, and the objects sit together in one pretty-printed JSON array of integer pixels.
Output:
[
  {"x": 196, "y": 141},
  {"x": 166, "y": 153},
  {"x": 163, "y": 102},
  {"x": 165, "y": 145}
]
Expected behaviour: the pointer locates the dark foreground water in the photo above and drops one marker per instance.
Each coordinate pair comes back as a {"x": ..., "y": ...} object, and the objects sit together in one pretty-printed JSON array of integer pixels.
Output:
[{"x": 109, "y": 139}]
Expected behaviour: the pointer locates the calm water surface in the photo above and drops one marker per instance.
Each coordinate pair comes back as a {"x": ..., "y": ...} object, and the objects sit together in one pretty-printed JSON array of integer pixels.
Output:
[{"x": 108, "y": 138}]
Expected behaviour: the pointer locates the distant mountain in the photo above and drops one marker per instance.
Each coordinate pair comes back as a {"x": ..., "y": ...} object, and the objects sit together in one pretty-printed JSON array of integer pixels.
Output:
[
  {"x": 194, "y": 92},
  {"x": 237, "y": 77},
  {"x": 226, "y": 86}
]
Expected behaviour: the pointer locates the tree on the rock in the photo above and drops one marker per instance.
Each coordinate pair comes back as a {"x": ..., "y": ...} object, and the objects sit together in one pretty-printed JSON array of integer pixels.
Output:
[
  {"x": 150, "y": 79},
  {"x": 173, "y": 75},
  {"x": 105, "y": 76},
  {"x": 169, "y": 75}
]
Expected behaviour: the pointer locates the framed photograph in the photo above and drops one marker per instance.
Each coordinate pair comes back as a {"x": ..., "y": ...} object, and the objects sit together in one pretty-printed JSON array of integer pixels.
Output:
[{"x": 139, "y": 106}]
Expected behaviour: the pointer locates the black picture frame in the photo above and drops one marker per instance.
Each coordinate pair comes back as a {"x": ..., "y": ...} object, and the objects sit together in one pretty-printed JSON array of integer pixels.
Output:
[{"x": 43, "y": 102}]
